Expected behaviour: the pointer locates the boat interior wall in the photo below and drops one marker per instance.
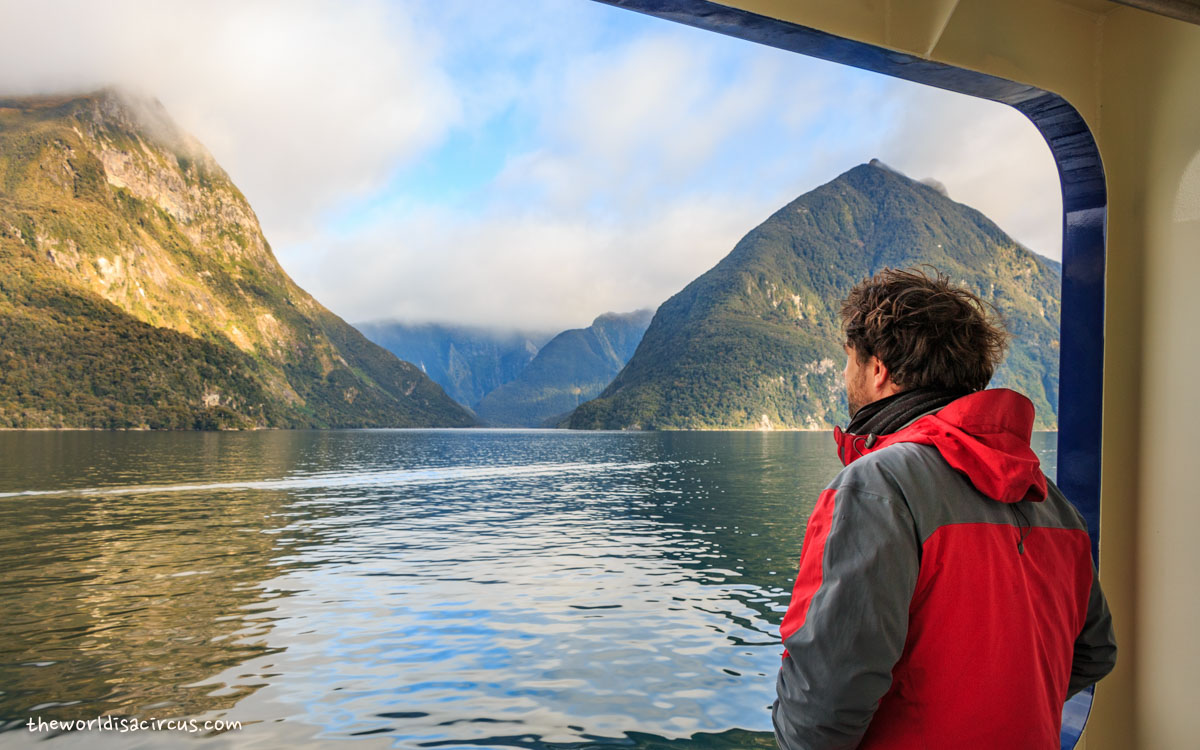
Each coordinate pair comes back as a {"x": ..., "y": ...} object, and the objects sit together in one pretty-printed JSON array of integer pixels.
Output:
[
  {"x": 1151, "y": 136},
  {"x": 1048, "y": 44},
  {"x": 1132, "y": 77}
]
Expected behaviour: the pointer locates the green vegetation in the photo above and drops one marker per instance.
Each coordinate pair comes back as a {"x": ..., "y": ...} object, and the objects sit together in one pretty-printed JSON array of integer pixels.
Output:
[
  {"x": 70, "y": 360},
  {"x": 756, "y": 341},
  {"x": 137, "y": 290}
]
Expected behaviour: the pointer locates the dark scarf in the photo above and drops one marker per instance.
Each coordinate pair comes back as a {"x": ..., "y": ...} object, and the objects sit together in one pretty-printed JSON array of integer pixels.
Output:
[{"x": 889, "y": 414}]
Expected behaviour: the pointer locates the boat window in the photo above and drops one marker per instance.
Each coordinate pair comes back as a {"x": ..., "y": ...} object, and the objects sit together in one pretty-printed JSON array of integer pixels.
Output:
[{"x": 1084, "y": 198}]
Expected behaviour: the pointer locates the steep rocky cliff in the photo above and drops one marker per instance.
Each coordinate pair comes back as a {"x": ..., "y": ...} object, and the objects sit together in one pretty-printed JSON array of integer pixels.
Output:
[
  {"x": 137, "y": 290},
  {"x": 468, "y": 361}
]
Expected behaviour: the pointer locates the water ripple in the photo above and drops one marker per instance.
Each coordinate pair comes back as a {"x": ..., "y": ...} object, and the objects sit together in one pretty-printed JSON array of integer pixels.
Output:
[
  {"x": 403, "y": 588},
  {"x": 341, "y": 480}
]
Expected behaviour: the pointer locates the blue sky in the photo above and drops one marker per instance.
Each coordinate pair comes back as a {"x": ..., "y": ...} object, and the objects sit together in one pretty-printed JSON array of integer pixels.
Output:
[{"x": 530, "y": 163}]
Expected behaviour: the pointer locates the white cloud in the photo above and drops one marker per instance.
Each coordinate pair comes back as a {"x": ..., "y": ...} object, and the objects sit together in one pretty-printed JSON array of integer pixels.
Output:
[
  {"x": 620, "y": 124},
  {"x": 625, "y": 198},
  {"x": 603, "y": 215},
  {"x": 306, "y": 103},
  {"x": 989, "y": 156},
  {"x": 535, "y": 270}
]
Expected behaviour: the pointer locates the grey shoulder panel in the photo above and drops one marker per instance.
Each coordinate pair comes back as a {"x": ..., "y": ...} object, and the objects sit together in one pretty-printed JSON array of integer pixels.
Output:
[{"x": 938, "y": 496}]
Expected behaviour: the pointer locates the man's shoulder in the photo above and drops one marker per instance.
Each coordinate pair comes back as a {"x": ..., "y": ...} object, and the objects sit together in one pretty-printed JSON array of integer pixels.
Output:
[{"x": 893, "y": 468}]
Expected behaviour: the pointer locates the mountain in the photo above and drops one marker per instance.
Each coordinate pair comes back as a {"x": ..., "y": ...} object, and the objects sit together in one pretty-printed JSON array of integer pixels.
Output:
[
  {"x": 756, "y": 341},
  {"x": 137, "y": 290},
  {"x": 574, "y": 366},
  {"x": 468, "y": 362}
]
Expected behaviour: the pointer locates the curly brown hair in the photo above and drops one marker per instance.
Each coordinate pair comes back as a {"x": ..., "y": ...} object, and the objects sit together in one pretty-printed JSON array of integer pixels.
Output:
[{"x": 927, "y": 331}]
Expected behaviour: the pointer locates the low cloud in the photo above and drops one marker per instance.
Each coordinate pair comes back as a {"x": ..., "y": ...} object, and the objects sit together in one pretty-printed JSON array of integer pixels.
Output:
[
  {"x": 616, "y": 207},
  {"x": 534, "y": 271},
  {"x": 307, "y": 104}
]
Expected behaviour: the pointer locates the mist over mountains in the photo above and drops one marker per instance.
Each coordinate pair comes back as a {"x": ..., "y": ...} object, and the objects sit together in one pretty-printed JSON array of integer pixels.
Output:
[
  {"x": 517, "y": 378},
  {"x": 573, "y": 367},
  {"x": 469, "y": 362},
  {"x": 138, "y": 291}
]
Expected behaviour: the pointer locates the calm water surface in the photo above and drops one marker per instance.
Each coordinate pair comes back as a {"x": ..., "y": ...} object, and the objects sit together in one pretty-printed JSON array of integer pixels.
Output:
[{"x": 410, "y": 588}]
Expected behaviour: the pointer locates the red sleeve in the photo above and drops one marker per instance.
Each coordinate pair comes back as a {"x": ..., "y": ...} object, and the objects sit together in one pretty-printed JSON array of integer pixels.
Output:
[{"x": 812, "y": 555}]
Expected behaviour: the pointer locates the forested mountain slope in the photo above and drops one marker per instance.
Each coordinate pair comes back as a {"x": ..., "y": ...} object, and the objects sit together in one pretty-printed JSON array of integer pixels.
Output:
[
  {"x": 137, "y": 290},
  {"x": 756, "y": 341}
]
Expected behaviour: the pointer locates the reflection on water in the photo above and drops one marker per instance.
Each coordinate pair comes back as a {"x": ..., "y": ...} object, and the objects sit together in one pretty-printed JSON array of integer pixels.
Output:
[{"x": 407, "y": 588}]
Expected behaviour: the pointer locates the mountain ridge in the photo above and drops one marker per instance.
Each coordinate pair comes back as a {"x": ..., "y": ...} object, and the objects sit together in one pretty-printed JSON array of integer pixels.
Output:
[
  {"x": 572, "y": 367},
  {"x": 756, "y": 341},
  {"x": 467, "y": 361}
]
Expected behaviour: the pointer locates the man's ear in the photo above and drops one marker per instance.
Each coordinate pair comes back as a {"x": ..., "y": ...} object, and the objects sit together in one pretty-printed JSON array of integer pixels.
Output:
[{"x": 880, "y": 377}]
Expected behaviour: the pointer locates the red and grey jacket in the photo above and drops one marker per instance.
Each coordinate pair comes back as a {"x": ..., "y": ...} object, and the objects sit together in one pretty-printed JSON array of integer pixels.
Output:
[{"x": 946, "y": 596}]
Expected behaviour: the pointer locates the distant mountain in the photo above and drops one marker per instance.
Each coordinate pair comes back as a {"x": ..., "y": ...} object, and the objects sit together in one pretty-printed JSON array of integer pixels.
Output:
[
  {"x": 137, "y": 290},
  {"x": 756, "y": 341},
  {"x": 573, "y": 367},
  {"x": 468, "y": 362}
]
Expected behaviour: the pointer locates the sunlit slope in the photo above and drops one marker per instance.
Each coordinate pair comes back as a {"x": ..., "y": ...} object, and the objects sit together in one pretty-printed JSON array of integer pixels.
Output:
[
  {"x": 573, "y": 367},
  {"x": 137, "y": 290},
  {"x": 756, "y": 341}
]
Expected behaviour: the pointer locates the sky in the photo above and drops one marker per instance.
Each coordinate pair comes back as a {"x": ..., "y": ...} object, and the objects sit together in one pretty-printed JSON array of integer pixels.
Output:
[{"x": 516, "y": 163}]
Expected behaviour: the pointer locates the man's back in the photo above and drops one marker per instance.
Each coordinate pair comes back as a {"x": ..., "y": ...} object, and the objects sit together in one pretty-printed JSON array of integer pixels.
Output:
[{"x": 946, "y": 594}]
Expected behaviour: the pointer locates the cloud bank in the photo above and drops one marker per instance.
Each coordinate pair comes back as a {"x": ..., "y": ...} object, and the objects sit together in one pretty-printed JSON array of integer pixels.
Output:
[{"x": 534, "y": 165}]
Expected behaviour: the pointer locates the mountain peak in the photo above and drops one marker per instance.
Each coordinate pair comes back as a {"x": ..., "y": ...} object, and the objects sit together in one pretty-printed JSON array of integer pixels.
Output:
[
  {"x": 930, "y": 182},
  {"x": 637, "y": 317},
  {"x": 878, "y": 164},
  {"x": 118, "y": 113},
  {"x": 756, "y": 340}
]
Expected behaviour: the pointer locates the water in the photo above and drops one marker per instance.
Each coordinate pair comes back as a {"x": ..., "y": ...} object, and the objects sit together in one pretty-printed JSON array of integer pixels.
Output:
[{"x": 411, "y": 588}]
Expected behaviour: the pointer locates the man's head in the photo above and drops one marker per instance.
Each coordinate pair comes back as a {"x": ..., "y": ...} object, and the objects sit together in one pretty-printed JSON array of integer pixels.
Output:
[{"x": 907, "y": 330}]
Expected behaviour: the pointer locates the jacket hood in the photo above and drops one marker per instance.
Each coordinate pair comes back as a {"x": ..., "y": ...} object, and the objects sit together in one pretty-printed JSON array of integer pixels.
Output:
[{"x": 984, "y": 436}]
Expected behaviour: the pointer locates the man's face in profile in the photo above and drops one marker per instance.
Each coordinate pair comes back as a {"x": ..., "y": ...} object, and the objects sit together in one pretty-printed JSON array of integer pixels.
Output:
[{"x": 855, "y": 374}]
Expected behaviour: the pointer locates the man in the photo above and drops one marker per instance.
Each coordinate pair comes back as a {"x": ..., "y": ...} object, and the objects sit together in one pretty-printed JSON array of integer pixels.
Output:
[{"x": 946, "y": 596}]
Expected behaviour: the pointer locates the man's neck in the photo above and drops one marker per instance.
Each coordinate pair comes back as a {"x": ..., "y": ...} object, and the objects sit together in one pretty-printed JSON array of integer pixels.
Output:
[{"x": 894, "y": 412}]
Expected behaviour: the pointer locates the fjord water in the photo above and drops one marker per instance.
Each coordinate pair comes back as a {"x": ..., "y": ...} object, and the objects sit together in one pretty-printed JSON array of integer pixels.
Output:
[{"x": 407, "y": 588}]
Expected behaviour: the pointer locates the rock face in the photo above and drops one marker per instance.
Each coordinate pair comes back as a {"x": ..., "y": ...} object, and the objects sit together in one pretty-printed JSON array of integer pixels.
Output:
[
  {"x": 468, "y": 362},
  {"x": 573, "y": 367},
  {"x": 756, "y": 341},
  {"x": 138, "y": 290}
]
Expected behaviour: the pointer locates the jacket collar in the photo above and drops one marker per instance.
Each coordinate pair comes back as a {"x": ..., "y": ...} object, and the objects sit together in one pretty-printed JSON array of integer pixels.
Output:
[{"x": 983, "y": 435}]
